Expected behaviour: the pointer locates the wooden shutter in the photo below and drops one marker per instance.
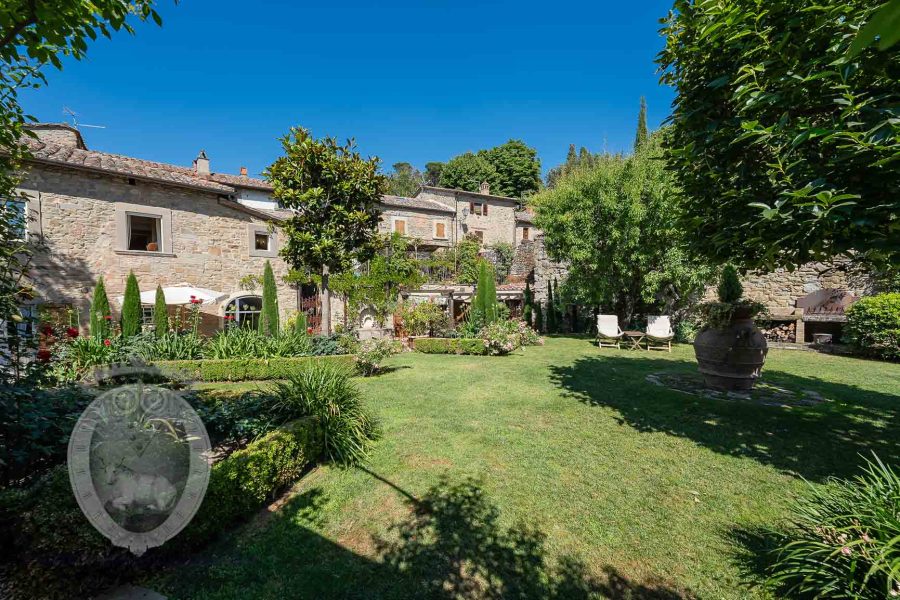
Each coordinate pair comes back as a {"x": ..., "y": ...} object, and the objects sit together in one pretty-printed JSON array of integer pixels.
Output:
[
  {"x": 484, "y": 209},
  {"x": 440, "y": 230},
  {"x": 400, "y": 227}
]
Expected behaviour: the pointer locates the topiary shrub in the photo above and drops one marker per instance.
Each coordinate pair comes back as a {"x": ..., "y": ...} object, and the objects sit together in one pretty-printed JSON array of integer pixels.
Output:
[
  {"x": 730, "y": 288},
  {"x": 450, "y": 346},
  {"x": 243, "y": 369},
  {"x": 873, "y": 326}
]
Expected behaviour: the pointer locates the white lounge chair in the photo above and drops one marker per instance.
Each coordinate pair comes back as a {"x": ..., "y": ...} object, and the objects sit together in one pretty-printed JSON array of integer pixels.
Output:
[
  {"x": 608, "y": 331},
  {"x": 659, "y": 333}
]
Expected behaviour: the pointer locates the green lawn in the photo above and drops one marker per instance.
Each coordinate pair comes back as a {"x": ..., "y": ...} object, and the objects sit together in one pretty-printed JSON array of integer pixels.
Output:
[{"x": 555, "y": 472}]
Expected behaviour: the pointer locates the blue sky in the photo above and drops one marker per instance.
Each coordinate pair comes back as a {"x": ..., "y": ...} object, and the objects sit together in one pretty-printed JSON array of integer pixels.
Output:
[{"x": 411, "y": 81}]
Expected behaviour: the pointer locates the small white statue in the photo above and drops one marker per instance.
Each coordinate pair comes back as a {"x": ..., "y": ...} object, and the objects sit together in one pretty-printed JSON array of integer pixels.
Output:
[{"x": 134, "y": 490}]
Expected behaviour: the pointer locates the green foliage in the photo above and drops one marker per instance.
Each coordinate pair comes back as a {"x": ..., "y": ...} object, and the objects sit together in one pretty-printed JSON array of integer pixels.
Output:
[
  {"x": 485, "y": 303},
  {"x": 333, "y": 194},
  {"x": 172, "y": 345},
  {"x": 160, "y": 313},
  {"x": 500, "y": 337},
  {"x": 785, "y": 145},
  {"x": 243, "y": 342},
  {"x": 131, "y": 307},
  {"x": 641, "y": 136},
  {"x": 300, "y": 324},
  {"x": 450, "y": 346},
  {"x": 884, "y": 25},
  {"x": 325, "y": 391},
  {"x": 377, "y": 284},
  {"x": 538, "y": 317},
  {"x": 433, "y": 172},
  {"x": 552, "y": 324},
  {"x": 243, "y": 369},
  {"x": 517, "y": 167},
  {"x": 527, "y": 300},
  {"x": 268, "y": 318},
  {"x": 425, "y": 318},
  {"x": 617, "y": 225},
  {"x": 842, "y": 541},
  {"x": 718, "y": 315},
  {"x": 467, "y": 172},
  {"x": 100, "y": 313},
  {"x": 504, "y": 253},
  {"x": 372, "y": 353},
  {"x": 730, "y": 288},
  {"x": 405, "y": 180},
  {"x": 873, "y": 326}
]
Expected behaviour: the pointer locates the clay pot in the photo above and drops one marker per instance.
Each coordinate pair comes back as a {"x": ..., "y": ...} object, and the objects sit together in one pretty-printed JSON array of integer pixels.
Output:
[
  {"x": 731, "y": 359},
  {"x": 152, "y": 247}
]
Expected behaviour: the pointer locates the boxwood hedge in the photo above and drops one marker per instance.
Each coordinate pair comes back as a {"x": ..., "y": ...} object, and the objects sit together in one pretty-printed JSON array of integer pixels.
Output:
[
  {"x": 450, "y": 346},
  {"x": 242, "y": 369}
]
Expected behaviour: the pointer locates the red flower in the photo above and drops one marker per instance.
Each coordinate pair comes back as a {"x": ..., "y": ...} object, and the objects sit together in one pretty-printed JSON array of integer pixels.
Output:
[
  {"x": 47, "y": 330},
  {"x": 108, "y": 317},
  {"x": 196, "y": 300},
  {"x": 309, "y": 330},
  {"x": 228, "y": 317},
  {"x": 107, "y": 343},
  {"x": 43, "y": 355},
  {"x": 72, "y": 332}
]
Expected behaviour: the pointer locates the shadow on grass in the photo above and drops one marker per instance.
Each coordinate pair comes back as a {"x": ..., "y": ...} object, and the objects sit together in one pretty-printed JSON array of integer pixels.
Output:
[{"x": 813, "y": 442}]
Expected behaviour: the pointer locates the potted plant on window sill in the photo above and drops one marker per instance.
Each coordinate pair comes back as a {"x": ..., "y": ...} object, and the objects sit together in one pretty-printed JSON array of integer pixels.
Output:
[{"x": 730, "y": 350}]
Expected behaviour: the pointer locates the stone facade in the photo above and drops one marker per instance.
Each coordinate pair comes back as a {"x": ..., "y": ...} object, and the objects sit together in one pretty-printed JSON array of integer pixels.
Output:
[
  {"x": 75, "y": 214},
  {"x": 419, "y": 224},
  {"x": 497, "y": 226}
]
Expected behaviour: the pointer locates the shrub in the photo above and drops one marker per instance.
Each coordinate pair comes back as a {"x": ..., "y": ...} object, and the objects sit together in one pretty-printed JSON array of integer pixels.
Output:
[
  {"x": 371, "y": 354},
  {"x": 169, "y": 346},
  {"x": 243, "y": 369},
  {"x": 450, "y": 346},
  {"x": 730, "y": 288},
  {"x": 60, "y": 554},
  {"x": 268, "y": 317},
  {"x": 131, "y": 307},
  {"x": 501, "y": 337},
  {"x": 160, "y": 313},
  {"x": 873, "y": 326},
  {"x": 100, "y": 313},
  {"x": 335, "y": 343},
  {"x": 425, "y": 318},
  {"x": 324, "y": 390},
  {"x": 243, "y": 342},
  {"x": 843, "y": 539}
]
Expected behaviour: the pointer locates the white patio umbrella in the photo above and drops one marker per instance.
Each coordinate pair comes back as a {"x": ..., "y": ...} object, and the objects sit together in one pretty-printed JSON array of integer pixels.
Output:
[{"x": 180, "y": 294}]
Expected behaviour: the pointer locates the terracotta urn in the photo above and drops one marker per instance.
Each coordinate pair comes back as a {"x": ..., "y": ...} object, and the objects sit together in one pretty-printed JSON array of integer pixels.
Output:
[
  {"x": 152, "y": 247},
  {"x": 731, "y": 358}
]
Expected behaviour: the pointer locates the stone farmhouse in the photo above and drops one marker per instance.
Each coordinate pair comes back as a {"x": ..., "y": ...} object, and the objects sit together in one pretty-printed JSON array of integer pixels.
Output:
[{"x": 98, "y": 214}]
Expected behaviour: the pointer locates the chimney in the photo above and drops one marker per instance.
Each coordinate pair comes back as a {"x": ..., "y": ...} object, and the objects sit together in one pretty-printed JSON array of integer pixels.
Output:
[
  {"x": 485, "y": 187},
  {"x": 243, "y": 171},
  {"x": 201, "y": 164}
]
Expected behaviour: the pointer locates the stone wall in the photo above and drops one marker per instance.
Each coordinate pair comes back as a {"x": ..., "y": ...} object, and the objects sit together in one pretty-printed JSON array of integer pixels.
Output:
[
  {"x": 545, "y": 270},
  {"x": 781, "y": 288},
  {"x": 419, "y": 224},
  {"x": 75, "y": 211},
  {"x": 499, "y": 225}
]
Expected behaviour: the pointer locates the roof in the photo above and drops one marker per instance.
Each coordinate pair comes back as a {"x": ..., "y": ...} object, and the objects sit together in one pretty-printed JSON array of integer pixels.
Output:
[
  {"x": 524, "y": 216},
  {"x": 416, "y": 203},
  {"x": 242, "y": 181},
  {"x": 115, "y": 164},
  {"x": 66, "y": 126},
  {"x": 468, "y": 193}
]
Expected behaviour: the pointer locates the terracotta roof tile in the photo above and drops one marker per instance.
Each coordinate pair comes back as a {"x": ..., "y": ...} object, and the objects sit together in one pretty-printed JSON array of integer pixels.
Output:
[
  {"x": 415, "y": 203},
  {"x": 242, "y": 181}
]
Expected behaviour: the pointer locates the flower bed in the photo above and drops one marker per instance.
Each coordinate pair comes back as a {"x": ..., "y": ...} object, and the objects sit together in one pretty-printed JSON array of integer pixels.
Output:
[
  {"x": 243, "y": 369},
  {"x": 55, "y": 552}
]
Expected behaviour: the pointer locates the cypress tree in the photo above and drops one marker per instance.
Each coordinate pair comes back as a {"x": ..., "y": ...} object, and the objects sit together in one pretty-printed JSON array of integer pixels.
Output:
[
  {"x": 130, "y": 320},
  {"x": 551, "y": 313},
  {"x": 538, "y": 317},
  {"x": 641, "y": 136},
  {"x": 99, "y": 311},
  {"x": 526, "y": 310},
  {"x": 268, "y": 317},
  {"x": 160, "y": 313},
  {"x": 490, "y": 300},
  {"x": 557, "y": 306}
]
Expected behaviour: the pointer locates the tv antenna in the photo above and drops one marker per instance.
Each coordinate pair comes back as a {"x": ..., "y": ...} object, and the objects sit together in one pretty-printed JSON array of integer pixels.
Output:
[{"x": 74, "y": 116}]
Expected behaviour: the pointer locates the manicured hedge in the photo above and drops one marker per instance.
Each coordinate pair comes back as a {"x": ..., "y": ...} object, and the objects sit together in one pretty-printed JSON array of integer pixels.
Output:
[
  {"x": 450, "y": 346},
  {"x": 56, "y": 553},
  {"x": 242, "y": 369},
  {"x": 873, "y": 326}
]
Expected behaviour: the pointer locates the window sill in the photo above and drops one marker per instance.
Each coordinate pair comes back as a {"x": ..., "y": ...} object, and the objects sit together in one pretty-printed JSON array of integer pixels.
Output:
[{"x": 144, "y": 253}]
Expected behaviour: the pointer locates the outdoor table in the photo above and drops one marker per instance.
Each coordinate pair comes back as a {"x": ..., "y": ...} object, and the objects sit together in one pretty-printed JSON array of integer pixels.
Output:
[{"x": 635, "y": 337}]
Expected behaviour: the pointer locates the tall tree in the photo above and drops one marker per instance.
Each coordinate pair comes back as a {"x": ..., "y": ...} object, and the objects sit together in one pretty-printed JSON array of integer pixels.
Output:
[
  {"x": 485, "y": 303},
  {"x": 786, "y": 145},
  {"x": 617, "y": 226},
  {"x": 268, "y": 317},
  {"x": 100, "y": 313},
  {"x": 405, "y": 180},
  {"x": 467, "y": 172},
  {"x": 551, "y": 309},
  {"x": 160, "y": 313},
  {"x": 527, "y": 302},
  {"x": 333, "y": 195},
  {"x": 433, "y": 173},
  {"x": 518, "y": 169},
  {"x": 641, "y": 135},
  {"x": 130, "y": 319}
]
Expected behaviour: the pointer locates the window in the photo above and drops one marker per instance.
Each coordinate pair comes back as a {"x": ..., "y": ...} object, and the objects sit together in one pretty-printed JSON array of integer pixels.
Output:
[
  {"x": 525, "y": 234},
  {"x": 244, "y": 311},
  {"x": 262, "y": 241},
  {"x": 147, "y": 315},
  {"x": 440, "y": 230},
  {"x": 478, "y": 208},
  {"x": 19, "y": 220},
  {"x": 399, "y": 226},
  {"x": 144, "y": 233}
]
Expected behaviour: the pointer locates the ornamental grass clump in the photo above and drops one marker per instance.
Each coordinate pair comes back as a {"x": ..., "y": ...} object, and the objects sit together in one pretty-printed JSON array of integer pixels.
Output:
[
  {"x": 327, "y": 392},
  {"x": 844, "y": 539}
]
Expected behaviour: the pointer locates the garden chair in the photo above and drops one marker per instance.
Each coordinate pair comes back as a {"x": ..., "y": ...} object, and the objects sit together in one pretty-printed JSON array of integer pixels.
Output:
[
  {"x": 608, "y": 331},
  {"x": 659, "y": 333}
]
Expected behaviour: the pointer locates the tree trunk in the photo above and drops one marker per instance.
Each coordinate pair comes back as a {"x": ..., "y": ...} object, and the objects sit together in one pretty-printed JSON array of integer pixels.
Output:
[{"x": 326, "y": 303}]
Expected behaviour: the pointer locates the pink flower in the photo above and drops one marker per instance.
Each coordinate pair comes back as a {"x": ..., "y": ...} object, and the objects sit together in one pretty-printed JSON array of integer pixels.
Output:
[
  {"x": 107, "y": 343},
  {"x": 846, "y": 551}
]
